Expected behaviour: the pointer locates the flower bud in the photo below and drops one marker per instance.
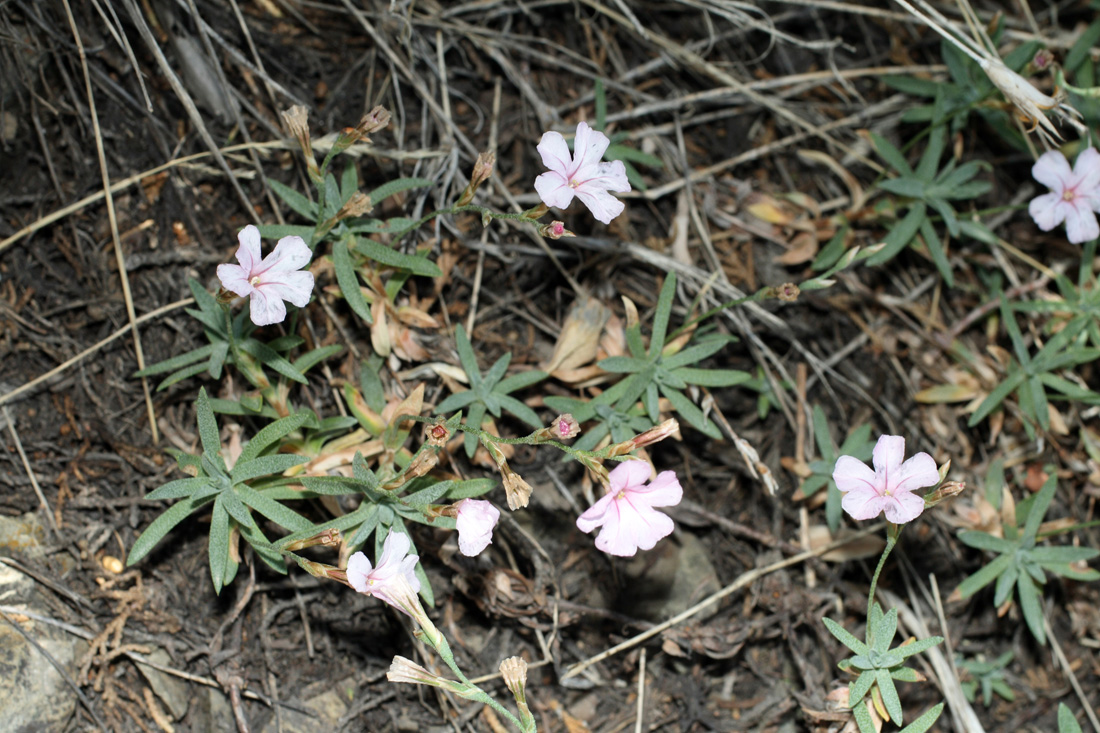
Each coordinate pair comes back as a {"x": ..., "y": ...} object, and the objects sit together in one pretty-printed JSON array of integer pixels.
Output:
[
  {"x": 357, "y": 205},
  {"x": 516, "y": 489},
  {"x": 514, "y": 672},
  {"x": 787, "y": 292},
  {"x": 483, "y": 168},
  {"x": 945, "y": 491},
  {"x": 437, "y": 435},
  {"x": 649, "y": 437},
  {"x": 555, "y": 230}
]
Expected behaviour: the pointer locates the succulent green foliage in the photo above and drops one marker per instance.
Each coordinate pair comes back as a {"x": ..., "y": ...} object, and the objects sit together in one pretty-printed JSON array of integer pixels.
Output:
[
  {"x": 876, "y": 664},
  {"x": 927, "y": 190},
  {"x": 213, "y": 357},
  {"x": 616, "y": 150},
  {"x": 969, "y": 91},
  {"x": 989, "y": 677},
  {"x": 1021, "y": 564},
  {"x": 653, "y": 373},
  {"x": 489, "y": 393},
  {"x": 1030, "y": 377},
  {"x": 858, "y": 444},
  {"x": 234, "y": 493}
]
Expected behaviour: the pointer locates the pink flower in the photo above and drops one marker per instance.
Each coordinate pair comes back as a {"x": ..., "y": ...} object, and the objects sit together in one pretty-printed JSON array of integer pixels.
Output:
[
  {"x": 1074, "y": 196},
  {"x": 475, "y": 520},
  {"x": 270, "y": 282},
  {"x": 626, "y": 512},
  {"x": 393, "y": 581},
  {"x": 583, "y": 176},
  {"x": 889, "y": 488}
]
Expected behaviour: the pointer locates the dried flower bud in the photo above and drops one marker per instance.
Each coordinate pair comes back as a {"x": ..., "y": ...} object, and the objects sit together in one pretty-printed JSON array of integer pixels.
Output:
[
  {"x": 424, "y": 461},
  {"x": 787, "y": 292},
  {"x": 296, "y": 120},
  {"x": 375, "y": 120},
  {"x": 320, "y": 570},
  {"x": 566, "y": 427},
  {"x": 555, "y": 230},
  {"x": 945, "y": 491},
  {"x": 1043, "y": 59},
  {"x": 483, "y": 168},
  {"x": 357, "y": 205},
  {"x": 537, "y": 212},
  {"x": 1029, "y": 101},
  {"x": 649, "y": 437},
  {"x": 329, "y": 537},
  {"x": 409, "y": 672},
  {"x": 517, "y": 491},
  {"x": 514, "y": 672},
  {"x": 437, "y": 435}
]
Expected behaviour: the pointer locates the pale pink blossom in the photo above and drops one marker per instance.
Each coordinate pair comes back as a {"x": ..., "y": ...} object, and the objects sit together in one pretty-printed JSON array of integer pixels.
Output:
[
  {"x": 1074, "y": 196},
  {"x": 393, "y": 580},
  {"x": 889, "y": 488},
  {"x": 582, "y": 174},
  {"x": 626, "y": 511},
  {"x": 271, "y": 281},
  {"x": 475, "y": 520}
]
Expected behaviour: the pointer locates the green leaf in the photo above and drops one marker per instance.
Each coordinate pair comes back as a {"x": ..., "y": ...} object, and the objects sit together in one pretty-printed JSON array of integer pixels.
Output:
[
  {"x": 470, "y": 488},
  {"x": 984, "y": 576},
  {"x": 162, "y": 525},
  {"x": 269, "y": 358},
  {"x": 176, "y": 362},
  {"x": 930, "y": 159},
  {"x": 178, "y": 489},
  {"x": 273, "y": 510},
  {"x": 270, "y": 435},
  {"x": 218, "y": 544},
  {"x": 278, "y": 231},
  {"x": 900, "y": 235},
  {"x": 712, "y": 377},
  {"x": 844, "y": 637},
  {"x": 687, "y": 410},
  {"x": 985, "y": 541},
  {"x": 456, "y": 401},
  {"x": 863, "y": 718},
  {"x": 1039, "y": 508},
  {"x": 208, "y": 426},
  {"x": 859, "y": 687},
  {"x": 924, "y": 722},
  {"x": 889, "y": 695},
  {"x": 936, "y": 251},
  {"x": 296, "y": 201},
  {"x": 661, "y": 315},
  {"x": 265, "y": 466},
  {"x": 348, "y": 280},
  {"x": 1005, "y": 584},
  {"x": 623, "y": 364},
  {"x": 1031, "y": 605},
  {"x": 397, "y": 185},
  {"x": 917, "y": 646},
  {"x": 1067, "y": 723},
  {"x": 884, "y": 630},
  {"x": 995, "y": 397},
  {"x": 909, "y": 187},
  {"x": 236, "y": 509},
  {"x": 519, "y": 380},
  {"x": 890, "y": 154},
  {"x": 1048, "y": 555},
  {"x": 415, "y": 264},
  {"x": 520, "y": 410}
]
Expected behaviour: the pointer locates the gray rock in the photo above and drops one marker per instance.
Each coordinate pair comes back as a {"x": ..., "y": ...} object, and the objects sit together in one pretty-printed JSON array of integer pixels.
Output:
[{"x": 173, "y": 692}]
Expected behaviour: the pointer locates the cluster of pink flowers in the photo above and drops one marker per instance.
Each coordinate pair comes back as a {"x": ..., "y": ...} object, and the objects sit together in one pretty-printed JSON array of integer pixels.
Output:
[
  {"x": 1074, "y": 194},
  {"x": 889, "y": 488}
]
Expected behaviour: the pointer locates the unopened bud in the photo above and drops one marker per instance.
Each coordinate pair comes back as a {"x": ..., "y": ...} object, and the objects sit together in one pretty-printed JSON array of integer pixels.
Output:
[
  {"x": 514, "y": 672},
  {"x": 296, "y": 120},
  {"x": 437, "y": 435},
  {"x": 320, "y": 570},
  {"x": 409, "y": 672},
  {"x": 555, "y": 230},
  {"x": 483, "y": 168},
  {"x": 537, "y": 212},
  {"x": 375, "y": 120},
  {"x": 424, "y": 461},
  {"x": 330, "y": 537}
]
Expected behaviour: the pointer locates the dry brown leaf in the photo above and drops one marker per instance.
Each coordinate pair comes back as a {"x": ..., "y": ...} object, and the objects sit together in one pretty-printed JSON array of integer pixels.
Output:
[
  {"x": 579, "y": 340},
  {"x": 803, "y": 248},
  {"x": 768, "y": 208},
  {"x": 865, "y": 547}
]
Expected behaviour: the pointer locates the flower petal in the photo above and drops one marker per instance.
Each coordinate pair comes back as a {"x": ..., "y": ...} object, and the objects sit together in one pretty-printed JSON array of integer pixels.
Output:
[
  {"x": 1086, "y": 169},
  {"x": 596, "y": 515},
  {"x": 291, "y": 253},
  {"x": 629, "y": 475},
  {"x": 234, "y": 278},
  {"x": 604, "y": 206},
  {"x": 395, "y": 548},
  {"x": 293, "y": 286},
  {"x": 1081, "y": 223},
  {"x": 1053, "y": 171},
  {"x": 631, "y": 527},
  {"x": 665, "y": 490},
  {"x": 588, "y": 147},
  {"x": 863, "y": 503},
  {"x": 851, "y": 474},
  {"x": 903, "y": 507},
  {"x": 555, "y": 154},
  {"x": 887, "y": 455},
  {"x": 248, "y": 254},
  {"x": 554, "y": 190},
  {"x": 265, "y": 311},
  {"x": 1048, "y": 210},
  {"x": 917, "y": 472},
  {"x": 358, "y": 569}
]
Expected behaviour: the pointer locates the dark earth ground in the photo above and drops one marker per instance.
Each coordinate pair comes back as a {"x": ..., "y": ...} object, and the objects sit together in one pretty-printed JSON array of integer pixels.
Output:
[{"x": 288, "y": 653}]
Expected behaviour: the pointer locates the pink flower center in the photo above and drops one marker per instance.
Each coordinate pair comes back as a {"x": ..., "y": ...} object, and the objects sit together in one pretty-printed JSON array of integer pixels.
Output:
[
  {"x": 254, "y": 280},
  {"x": 1069, "y": 194}
]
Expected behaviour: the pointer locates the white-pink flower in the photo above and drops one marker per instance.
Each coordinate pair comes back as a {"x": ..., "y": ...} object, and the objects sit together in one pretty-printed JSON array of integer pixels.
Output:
[
  {"x": 626, "y": 511},
  {"x": 889, "y": 488},
  {"x": 393, "y": 580},
  {"x": 582, "y": 175},
  {"x": 1074, "y": 196},
  {"x": 475, "y": 520},
  {"x": 271, "y": 281}
]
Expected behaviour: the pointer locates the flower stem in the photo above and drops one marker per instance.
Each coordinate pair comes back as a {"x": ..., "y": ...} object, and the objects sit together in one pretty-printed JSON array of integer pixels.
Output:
[{"x": 891, "y": 540}]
